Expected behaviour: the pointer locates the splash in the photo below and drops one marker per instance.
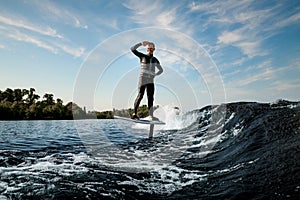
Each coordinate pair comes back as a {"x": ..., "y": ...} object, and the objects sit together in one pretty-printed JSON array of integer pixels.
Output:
[{"x": 173, "y": 117}]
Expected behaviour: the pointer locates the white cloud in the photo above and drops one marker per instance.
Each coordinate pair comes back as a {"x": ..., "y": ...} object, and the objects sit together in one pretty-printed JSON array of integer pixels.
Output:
[
  {"x": 74, "y": 51},
  {"x": 289, "y": 20},
  {"x": 78, "y": 18},
  {"x": 50, "y": 44},
  {"x": 158, "y": 14},
  {"x": 29, "y": 39},
  {"x": 21, "y": 23},
  {"x": 251, "y": 48},
  {"x": 78, "y": 24},
  {"x": 243, "y": 24},
  {"x": 198, "y": 7},
  {"x": 60, "y": 13},
  {"x": 166, "y": 18},
  {"x": 239, "y": 62},
  {"x": 265, "y": 72},
  {"x": 221, "y": 11},
  {"x": 271, "y": 87},
  {"x": 20, "y": 29},
  {"x": 245, "y": 41},
  {"x": 285, "y": 86},
  {"x": 229, "y": 37}
]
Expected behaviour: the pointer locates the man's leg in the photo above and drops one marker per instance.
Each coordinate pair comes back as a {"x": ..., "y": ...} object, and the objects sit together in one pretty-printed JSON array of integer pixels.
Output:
[
  {"x": 139, "y": 98},
  {"x": 150, "y": 95}
]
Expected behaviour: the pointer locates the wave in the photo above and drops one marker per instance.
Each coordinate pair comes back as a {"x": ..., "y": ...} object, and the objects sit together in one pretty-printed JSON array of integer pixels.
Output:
[
  {"x": 242, "y": 150},
  {"x": 256, "y": 155}
]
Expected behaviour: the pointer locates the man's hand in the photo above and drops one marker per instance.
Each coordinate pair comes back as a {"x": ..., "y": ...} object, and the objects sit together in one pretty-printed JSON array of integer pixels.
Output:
[{"x": 145, "y": 43}]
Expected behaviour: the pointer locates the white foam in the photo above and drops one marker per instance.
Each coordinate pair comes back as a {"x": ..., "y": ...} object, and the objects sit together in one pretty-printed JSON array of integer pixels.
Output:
[
  {"x": 3, "y": 197},
  {"x": 294, "y": 106},
  {"x": 172, "y": 116},
  {"x": 169, "y": 180}
]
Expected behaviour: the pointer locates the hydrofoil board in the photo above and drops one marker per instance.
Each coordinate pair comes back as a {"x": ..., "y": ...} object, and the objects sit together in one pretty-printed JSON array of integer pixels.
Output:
[{"x": 141, "y": 121}]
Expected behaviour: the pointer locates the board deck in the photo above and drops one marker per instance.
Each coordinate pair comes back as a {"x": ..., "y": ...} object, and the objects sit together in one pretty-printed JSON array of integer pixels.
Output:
[{"x": 141, "y": 121}]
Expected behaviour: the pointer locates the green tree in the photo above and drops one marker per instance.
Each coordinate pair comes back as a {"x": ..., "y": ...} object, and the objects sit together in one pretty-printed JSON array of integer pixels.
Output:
[
  {"x": 18, "y": 110},
  {"x": 68, "y": 110},
  {"x": 18, "y": 95},
  {"x": 31, "y": 97},
  {"x": 59, "y": 102},
  {"x": 19, "y": 104},
  {"x": 104, "y": 115},
  {"x": 34, "y": 111},
  {"x": 48, "y": 99},
  {"x": 8, "y": 95},
  {"x": 143, "y": 111},
  {"x": 47, "y": 112},
  {"x": 6, "y": 110}
]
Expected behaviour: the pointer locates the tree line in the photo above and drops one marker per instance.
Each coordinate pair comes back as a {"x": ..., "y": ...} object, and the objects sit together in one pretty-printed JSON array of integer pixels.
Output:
[
  {"x": 142, "y": 111},
  {"x": 24, "y": 104}
]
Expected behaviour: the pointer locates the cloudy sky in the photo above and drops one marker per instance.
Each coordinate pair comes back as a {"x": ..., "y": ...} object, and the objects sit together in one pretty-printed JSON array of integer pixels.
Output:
[{"x": 211, "y": 51}]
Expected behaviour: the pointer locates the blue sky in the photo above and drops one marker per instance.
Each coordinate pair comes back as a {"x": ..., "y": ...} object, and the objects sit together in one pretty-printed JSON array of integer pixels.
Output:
[{"x": 211, "y": 51}]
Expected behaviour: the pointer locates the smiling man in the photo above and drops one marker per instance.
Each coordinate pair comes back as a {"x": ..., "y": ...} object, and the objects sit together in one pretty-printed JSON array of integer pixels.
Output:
[{"x": 146, "y": 81}]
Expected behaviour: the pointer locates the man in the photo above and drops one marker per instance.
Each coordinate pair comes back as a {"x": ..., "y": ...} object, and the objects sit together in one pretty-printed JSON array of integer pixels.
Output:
[{"x": 146, "y": 80}]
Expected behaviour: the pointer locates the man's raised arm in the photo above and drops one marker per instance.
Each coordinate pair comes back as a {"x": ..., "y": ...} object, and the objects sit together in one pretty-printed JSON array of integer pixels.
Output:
[{"x": 134, "y": 48}]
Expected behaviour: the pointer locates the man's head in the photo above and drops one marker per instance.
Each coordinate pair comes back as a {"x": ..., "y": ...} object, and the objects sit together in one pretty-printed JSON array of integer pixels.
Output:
[{"x": 150, "y": 48}]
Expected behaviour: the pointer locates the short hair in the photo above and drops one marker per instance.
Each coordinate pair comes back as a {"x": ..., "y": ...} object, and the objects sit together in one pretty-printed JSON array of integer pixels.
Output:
[{"x": 151, "y": 43}]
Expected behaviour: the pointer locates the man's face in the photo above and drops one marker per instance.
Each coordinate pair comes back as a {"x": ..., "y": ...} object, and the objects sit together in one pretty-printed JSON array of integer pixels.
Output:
[{"x": 150, "y": 49}]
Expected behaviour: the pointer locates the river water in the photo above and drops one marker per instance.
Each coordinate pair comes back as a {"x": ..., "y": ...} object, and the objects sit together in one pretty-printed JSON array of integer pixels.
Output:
[{"x": 232, "y": 151}]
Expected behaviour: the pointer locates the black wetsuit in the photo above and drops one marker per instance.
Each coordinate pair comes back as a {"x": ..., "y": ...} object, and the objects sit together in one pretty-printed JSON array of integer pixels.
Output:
[{"x": 146, "y": 80}]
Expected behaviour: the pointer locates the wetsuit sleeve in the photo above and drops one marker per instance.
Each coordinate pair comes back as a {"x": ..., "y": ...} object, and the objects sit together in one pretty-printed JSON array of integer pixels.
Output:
[
  {"x": 135, "y": 51},
  {"x": 160, "y": 69}
]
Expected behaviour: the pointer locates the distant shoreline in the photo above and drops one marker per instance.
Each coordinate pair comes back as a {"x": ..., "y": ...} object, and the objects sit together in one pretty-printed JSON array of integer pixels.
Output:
[{"x": 24, "y": 104}]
